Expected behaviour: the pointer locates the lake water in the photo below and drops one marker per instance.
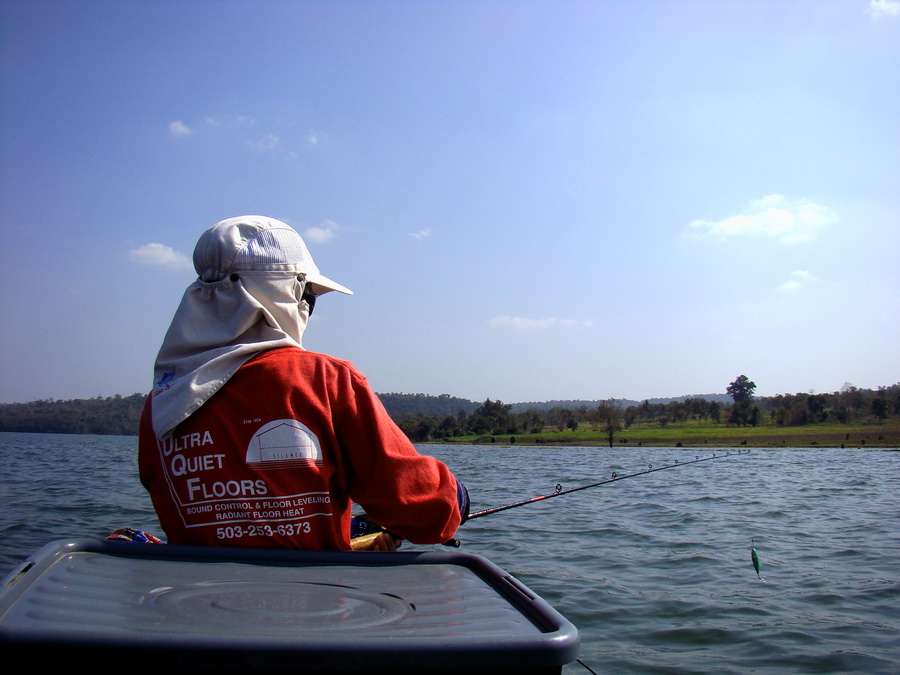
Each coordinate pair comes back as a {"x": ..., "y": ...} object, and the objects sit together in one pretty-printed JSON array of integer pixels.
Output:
[{"x": 655, "y": 571}]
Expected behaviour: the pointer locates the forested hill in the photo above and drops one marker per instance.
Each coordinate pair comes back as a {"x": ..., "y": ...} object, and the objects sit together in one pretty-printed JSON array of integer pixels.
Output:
[
  {"x": 120, "y": 415},
  {"x": 111, "y": 416},
  {"x": 423, "y": 404},
  {"x": 624, "y": 403}
]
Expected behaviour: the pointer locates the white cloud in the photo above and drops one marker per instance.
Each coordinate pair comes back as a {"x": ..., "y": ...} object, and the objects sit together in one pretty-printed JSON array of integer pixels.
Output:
[
  {"x": 253, "y": 134},
  {"x": 774, "y": 216},
  {"x": 240, "y": 122},
  {"x": 323, "y": 233},
  {"x": 267, "y": 142},
  {"x": 421, "y": 234},
  {"x": 317, "y": 138},
  {"x": 884, "y": 8},
  {"x": 521, "y": 323},
  {"x": 798, "y": 279},
  {"x": 230, "y": 122},
  {"x": 161, "y": 256},
  {"x": 179, "y": 128}
]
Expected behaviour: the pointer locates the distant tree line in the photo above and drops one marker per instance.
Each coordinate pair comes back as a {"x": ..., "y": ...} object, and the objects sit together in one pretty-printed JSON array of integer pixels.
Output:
[
  {"x": 496, "y": 418},
  {"x": 110, "y": 416},
  {"x": 405, "y": 404},
  {"x": 427, "y": 418},
  {"x": 847, "y": 405}
]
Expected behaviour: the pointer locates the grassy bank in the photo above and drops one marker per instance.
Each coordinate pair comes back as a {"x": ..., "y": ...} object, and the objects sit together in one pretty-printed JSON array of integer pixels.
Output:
[{"x": 858, "y": 435}]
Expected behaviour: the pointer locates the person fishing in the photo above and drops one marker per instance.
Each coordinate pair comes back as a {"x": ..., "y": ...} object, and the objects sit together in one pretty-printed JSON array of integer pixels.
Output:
[{"x": 248, "y": 439}]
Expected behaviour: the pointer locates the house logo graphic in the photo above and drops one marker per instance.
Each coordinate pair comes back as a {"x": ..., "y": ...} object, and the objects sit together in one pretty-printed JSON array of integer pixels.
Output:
[{"x": 282, "y": 444}]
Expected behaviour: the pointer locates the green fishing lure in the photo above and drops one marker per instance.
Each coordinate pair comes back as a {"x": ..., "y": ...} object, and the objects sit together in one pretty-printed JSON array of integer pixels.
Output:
[{"x": 755, "y": 557}]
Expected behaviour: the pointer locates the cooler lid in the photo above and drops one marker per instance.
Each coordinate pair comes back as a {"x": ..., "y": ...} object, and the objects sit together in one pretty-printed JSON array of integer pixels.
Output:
[{"x": 265, "y": 607}]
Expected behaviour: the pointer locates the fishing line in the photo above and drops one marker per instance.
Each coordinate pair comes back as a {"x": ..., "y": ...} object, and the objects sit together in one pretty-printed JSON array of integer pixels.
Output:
[
  {"x": 615, "y": 478},
  {"x": 559, "y": 492}
]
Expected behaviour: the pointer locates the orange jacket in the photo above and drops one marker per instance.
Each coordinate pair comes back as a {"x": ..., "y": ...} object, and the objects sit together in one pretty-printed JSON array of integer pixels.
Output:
[{"x": 277, "y": 457}]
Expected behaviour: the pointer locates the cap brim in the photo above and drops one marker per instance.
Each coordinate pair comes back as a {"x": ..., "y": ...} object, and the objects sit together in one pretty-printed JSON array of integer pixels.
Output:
[{"x": 321, "y": 284}]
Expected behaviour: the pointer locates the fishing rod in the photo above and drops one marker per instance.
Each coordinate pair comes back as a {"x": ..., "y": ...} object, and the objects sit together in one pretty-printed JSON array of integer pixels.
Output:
[
  {"x": 362, "y": 542},
  {"x": 559, "y": 492}
]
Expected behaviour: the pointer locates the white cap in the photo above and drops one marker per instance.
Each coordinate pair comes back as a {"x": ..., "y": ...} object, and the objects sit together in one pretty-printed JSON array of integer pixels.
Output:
[{"x": 257, "y": 243}]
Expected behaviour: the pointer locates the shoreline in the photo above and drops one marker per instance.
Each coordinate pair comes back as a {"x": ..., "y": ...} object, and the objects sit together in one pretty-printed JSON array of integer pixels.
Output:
[
  {"x": 602, "y": 443},
  {"x": 852, "y": 437}
]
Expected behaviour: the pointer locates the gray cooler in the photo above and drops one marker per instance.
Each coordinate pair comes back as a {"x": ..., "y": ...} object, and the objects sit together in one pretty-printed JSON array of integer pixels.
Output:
[{"x": 94, "y": 602}]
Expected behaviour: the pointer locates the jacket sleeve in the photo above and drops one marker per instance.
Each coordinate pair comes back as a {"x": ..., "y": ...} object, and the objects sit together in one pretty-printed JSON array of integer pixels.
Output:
[{"x": 414, "y": 496}]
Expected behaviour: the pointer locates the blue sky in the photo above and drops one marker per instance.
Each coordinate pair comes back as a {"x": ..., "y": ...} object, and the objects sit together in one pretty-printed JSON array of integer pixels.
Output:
[{"x": 532, "y": 200}]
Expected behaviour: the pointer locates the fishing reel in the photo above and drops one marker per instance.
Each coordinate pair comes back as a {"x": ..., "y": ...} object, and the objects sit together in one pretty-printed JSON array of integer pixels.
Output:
[{"x": 363, "y": 531}]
